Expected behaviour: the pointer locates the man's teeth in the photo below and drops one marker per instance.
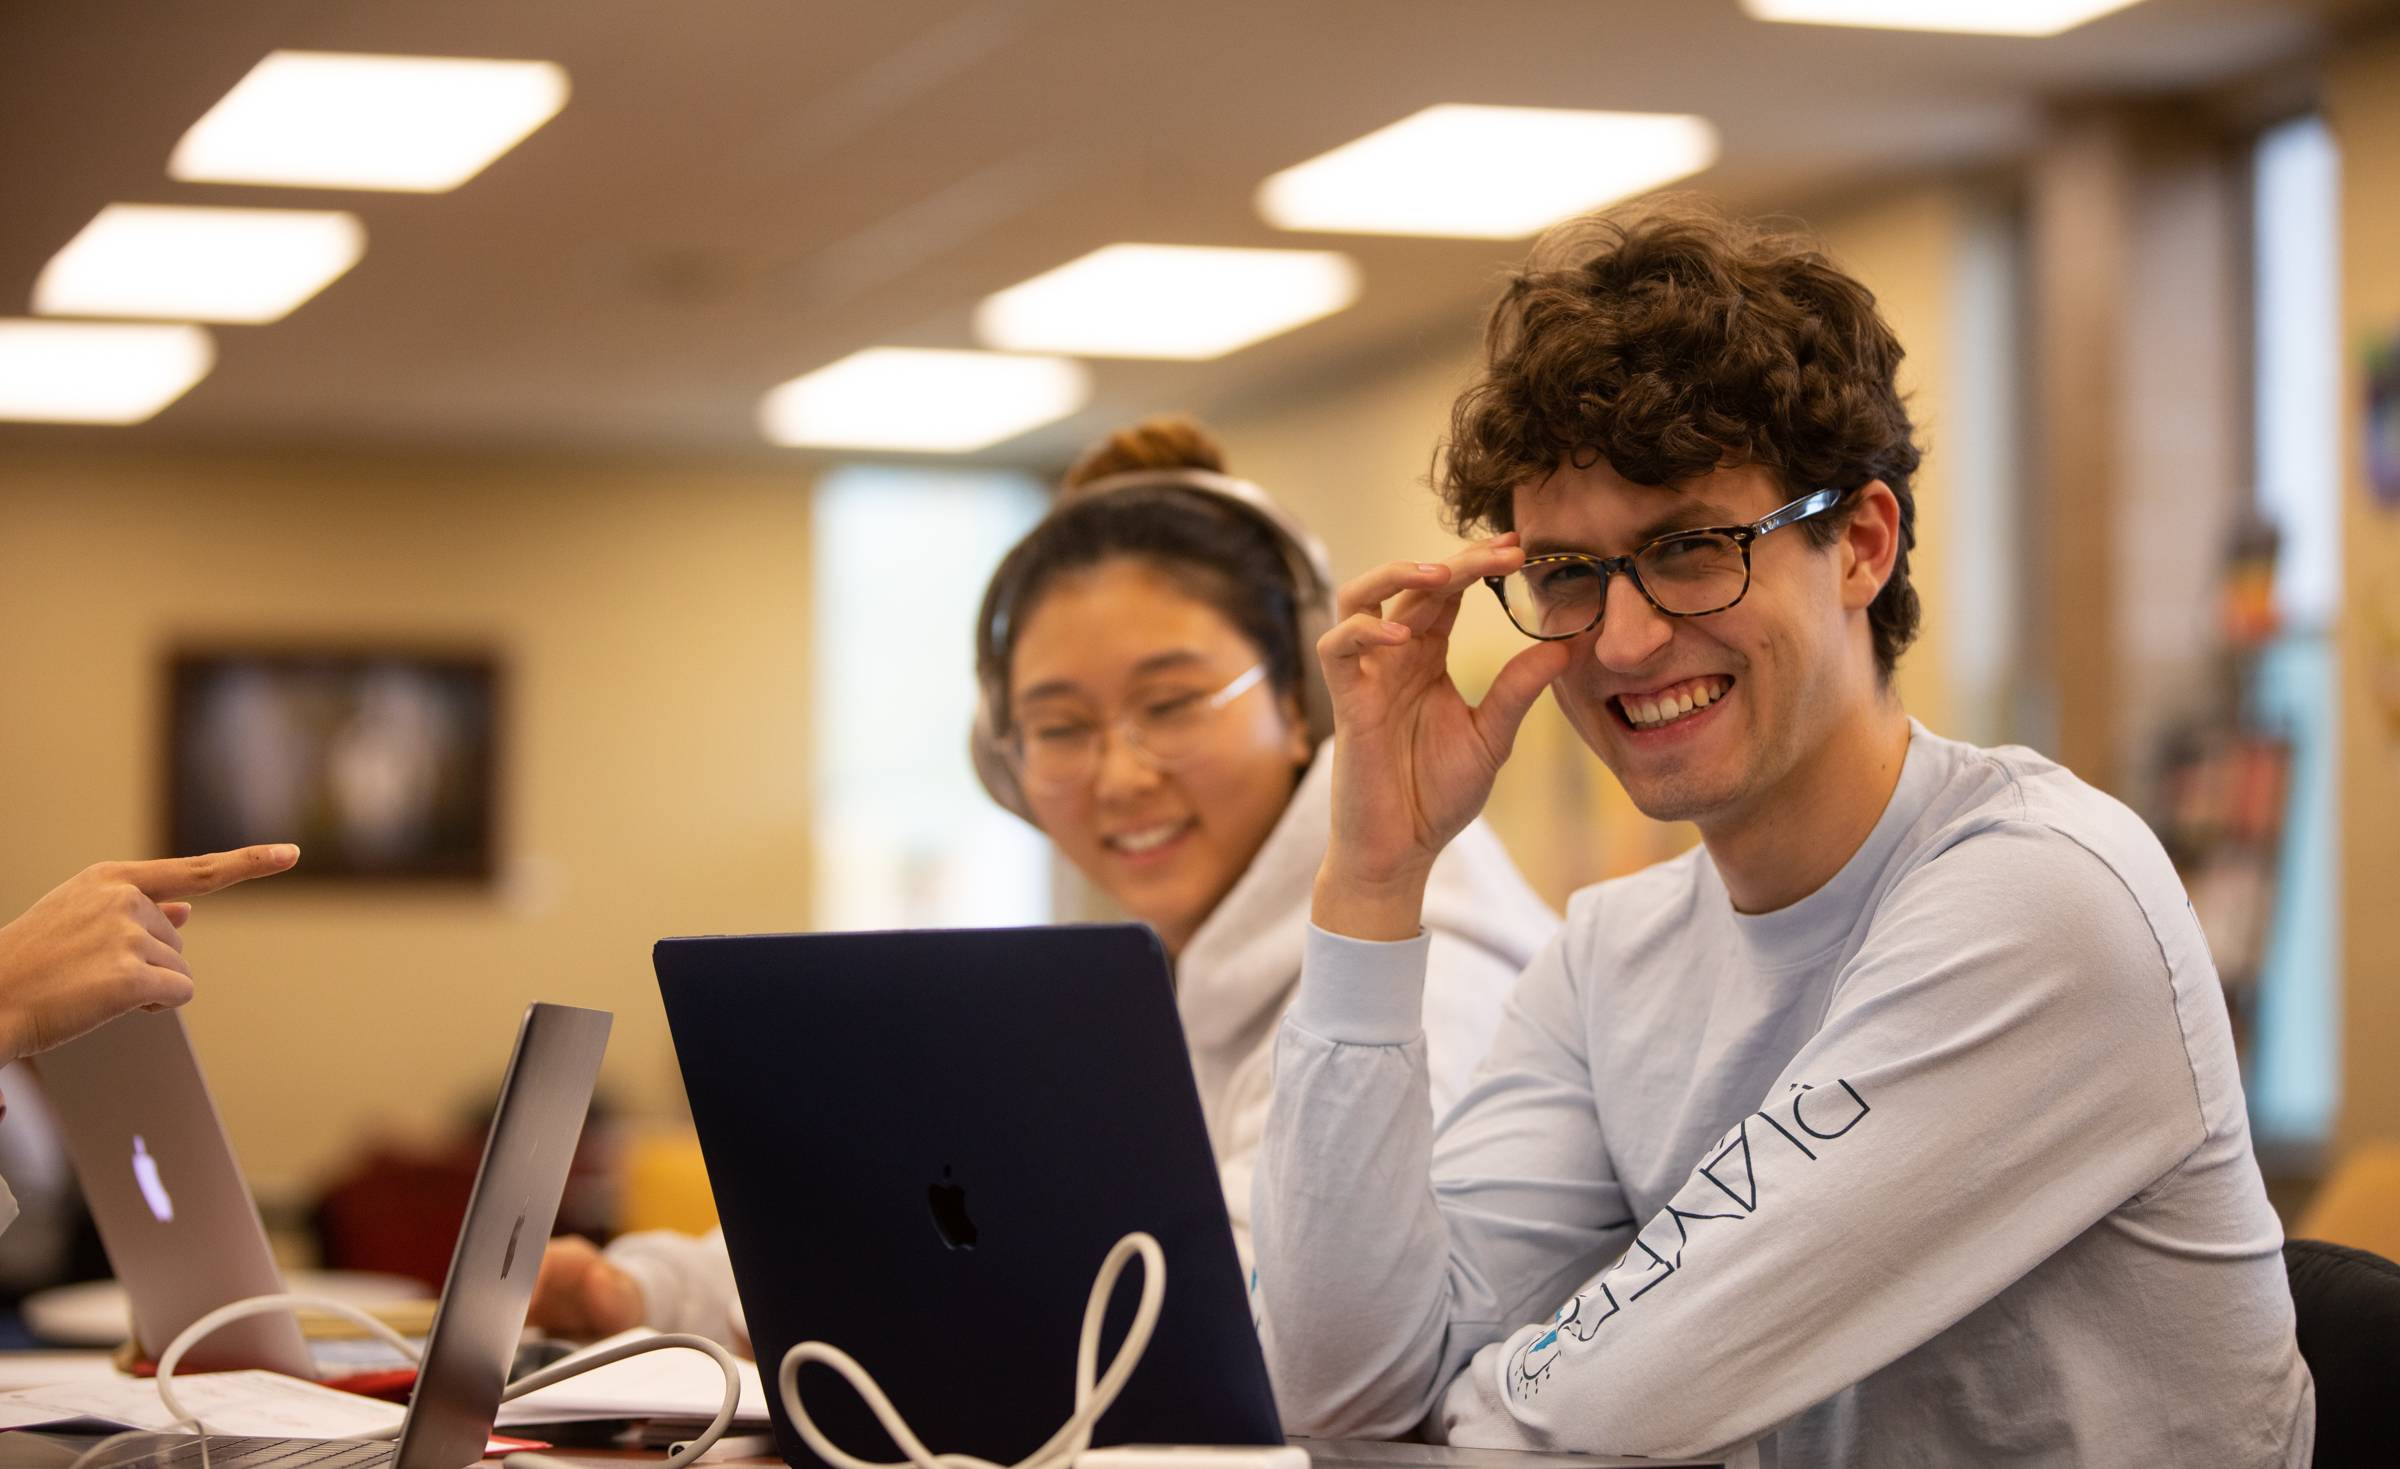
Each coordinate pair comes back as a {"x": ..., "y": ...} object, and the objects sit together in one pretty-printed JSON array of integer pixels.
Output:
[
  {"x": 1650, "y": 711},
  {"x": 1148, "y": 839}
]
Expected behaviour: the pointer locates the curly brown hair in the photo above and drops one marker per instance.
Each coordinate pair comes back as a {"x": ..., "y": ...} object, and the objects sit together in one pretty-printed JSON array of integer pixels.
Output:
[{"x": 1673, "y": 341}]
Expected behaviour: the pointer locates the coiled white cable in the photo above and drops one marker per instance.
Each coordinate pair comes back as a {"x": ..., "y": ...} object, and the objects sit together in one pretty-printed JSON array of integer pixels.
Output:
[
  {"x": 556, "y": 1372},
  {"x": 1091, "y": 1398}
]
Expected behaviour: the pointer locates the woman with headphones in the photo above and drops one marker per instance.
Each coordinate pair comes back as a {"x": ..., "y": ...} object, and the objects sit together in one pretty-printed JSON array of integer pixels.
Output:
[{"x": 1151, "y": 701}]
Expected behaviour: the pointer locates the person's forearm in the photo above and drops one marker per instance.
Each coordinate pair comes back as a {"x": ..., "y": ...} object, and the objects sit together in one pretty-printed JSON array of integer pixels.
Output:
[
  {"x": 1352, "y": 1254},
  {"x": 1351, "y": 1260},
  {"x": 686, "y": 1280}
]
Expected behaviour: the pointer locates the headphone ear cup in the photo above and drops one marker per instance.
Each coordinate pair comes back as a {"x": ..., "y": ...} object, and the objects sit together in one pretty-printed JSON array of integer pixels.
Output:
[{"x": 991, "y": 762}]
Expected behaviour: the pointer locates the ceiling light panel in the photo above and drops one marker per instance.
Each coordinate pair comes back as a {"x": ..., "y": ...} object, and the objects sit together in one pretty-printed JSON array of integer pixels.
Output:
[
  {"x": 182, "y": 263},
  {"x": 417, "y": 124},
  {"x": 97, "y": 372},
  {"x": 1976, "y": 17},
  {"x": 1486, "y": 173},
  {"x": 923, "y": 401},
  {"x": 1188, "y": 302}
]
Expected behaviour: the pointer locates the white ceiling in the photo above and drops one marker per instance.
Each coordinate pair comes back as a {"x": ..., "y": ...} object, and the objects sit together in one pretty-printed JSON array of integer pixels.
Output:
[{"x": 741, "y": 190}]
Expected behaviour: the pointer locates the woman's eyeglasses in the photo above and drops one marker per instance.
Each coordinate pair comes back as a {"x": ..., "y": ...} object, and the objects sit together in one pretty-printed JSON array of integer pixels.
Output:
[{"x": 1062, "y": 751}]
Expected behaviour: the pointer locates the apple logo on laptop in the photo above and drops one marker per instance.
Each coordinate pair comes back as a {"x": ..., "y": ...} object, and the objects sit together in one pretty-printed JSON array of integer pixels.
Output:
[
  {"x": 509, "y": 1259},
  {"x": 950, "y": 1219},
  {"x": 154, "y": 1191}
]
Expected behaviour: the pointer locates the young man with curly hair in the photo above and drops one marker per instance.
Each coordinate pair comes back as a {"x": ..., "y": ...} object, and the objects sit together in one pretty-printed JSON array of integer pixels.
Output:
[{"x": 1898, "y": 1123}]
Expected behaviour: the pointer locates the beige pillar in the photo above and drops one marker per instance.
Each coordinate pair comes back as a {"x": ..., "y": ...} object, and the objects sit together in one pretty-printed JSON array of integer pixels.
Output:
[{"x": 2363, "y": 102}]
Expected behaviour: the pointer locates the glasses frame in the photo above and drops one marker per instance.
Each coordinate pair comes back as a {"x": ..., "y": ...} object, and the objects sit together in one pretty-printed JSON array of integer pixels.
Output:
[
  {"x": 1815, "y": 502},
  {"x": 1125, "y": 727}
]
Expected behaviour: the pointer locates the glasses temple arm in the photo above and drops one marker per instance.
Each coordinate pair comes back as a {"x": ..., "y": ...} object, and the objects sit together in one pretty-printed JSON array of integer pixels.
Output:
[
  {"x": 1814, "y": 503},
  {"x": 1240, "y": 686}
]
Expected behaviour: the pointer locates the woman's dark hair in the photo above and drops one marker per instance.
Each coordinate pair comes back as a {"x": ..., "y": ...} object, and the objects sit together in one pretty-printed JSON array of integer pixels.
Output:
[
  {"x": 1672, "y": 341},
  {"x": 1211, "y": 550}
]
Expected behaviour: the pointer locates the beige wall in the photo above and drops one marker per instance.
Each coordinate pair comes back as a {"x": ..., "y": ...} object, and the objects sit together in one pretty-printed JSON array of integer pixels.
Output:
[
  {"x": 1908, "y": 247},
  {"x": 1352, "y": 460},
  {"x": 2364, "y": 103},
  {"x": 653, "y": 749}
]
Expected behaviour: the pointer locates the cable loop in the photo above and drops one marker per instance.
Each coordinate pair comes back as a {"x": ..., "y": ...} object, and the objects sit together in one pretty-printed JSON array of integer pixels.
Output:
[
  {"x": 556, "y": 1372},
  {"x": 1073, "y": 1436},
  {"x": 85, "y": 1460},
  {"x": 192, "y": 1335}
]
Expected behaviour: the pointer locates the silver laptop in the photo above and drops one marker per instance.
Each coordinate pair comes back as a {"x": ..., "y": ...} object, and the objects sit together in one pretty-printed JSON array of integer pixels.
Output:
[
  {"x": 543, "y": 1099},
  {"x": 158, "y": 1172}
]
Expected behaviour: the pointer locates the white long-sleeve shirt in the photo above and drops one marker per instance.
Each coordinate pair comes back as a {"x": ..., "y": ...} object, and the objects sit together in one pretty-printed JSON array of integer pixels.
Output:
[
  {"x": 1233, "y": 982},
  {"x": 1946, "y": 1163}
]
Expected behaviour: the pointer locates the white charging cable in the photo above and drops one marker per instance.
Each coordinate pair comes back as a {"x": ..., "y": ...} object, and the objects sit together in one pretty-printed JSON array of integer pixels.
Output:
[
  {"x": 556, "y": 1372},
  {"x": 90, "y": 1457},
  {"x": 700, "y": 1443},
  {"x": 1091, "y": 1398},
  {"x": 207, "y": 1326}
]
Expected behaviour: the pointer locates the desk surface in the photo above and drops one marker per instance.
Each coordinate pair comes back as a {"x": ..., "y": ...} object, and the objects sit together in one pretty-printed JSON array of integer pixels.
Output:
[
  {"x": 35, "y": 1369},
  {"x": 40, "y": 1369}
]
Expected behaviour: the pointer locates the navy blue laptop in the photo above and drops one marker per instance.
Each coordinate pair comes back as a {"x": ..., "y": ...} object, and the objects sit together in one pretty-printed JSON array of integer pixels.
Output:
[{"x": 922, "y": 1146}]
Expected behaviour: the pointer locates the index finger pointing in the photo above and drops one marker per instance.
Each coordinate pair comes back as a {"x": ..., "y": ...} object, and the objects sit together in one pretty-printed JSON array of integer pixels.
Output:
[{"x": 191, "y": 877}]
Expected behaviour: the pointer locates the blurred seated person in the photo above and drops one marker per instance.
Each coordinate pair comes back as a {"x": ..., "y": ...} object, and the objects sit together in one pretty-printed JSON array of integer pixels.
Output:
[
  {"x": 1152, "y": 703},
  {"x": 107, "y": 941}
]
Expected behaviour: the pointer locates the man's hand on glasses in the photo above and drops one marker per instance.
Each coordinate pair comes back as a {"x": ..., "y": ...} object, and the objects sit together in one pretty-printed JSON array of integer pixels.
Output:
[{"x": 1413, "y": 762}]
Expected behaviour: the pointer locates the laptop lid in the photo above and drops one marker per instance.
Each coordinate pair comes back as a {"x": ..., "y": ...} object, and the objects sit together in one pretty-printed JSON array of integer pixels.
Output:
[
  {"x": 173, "y": 1209},
  {"x": 473, "y": 1340},
  {"x": 923, "y": 1144}
]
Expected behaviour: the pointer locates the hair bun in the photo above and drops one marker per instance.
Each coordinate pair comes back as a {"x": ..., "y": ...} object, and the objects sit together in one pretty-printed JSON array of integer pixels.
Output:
[{"x": 1161, "y": 441}]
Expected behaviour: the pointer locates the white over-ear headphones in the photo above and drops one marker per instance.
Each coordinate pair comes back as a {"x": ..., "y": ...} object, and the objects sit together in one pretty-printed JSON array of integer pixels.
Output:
[{"x": 1312, "y": 603}]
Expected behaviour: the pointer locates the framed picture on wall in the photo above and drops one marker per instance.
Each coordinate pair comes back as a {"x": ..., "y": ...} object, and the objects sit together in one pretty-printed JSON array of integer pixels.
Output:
[{"x": 381, "y": 763}]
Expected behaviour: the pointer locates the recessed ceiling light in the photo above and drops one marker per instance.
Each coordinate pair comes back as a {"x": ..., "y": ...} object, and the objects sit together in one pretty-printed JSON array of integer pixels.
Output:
[
  {"x": 422, "y": 124},
  {"x": 97, "y": 372},
  {"x": 182, "y": 263},
  {"x": 1979, "y": 17},
  {"x": 1486, "y": 173},
  {"x": 1189, "y": 302},
  {"x": 924, "y": 401}
]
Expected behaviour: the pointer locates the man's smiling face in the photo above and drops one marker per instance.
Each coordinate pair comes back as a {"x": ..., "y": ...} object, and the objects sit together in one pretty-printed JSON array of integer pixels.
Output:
[{"x": 1766, "y": 680}]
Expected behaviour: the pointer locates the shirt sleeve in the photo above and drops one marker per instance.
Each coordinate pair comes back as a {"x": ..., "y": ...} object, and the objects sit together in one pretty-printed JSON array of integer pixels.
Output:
[
  {"x": 686, "y": 1282},
  {"x": 2001, "y": 1067},
  {"x": 1384, "y": 1281},
  {"x": 1465, "y": 985}
]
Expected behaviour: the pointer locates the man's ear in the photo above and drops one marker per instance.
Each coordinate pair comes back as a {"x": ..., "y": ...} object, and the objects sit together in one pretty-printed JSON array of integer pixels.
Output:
[{"x": 1870, "y": 544}]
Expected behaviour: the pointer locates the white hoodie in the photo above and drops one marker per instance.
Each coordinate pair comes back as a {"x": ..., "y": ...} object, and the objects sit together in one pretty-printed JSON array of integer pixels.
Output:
[{"x": 1232, "y": 984}]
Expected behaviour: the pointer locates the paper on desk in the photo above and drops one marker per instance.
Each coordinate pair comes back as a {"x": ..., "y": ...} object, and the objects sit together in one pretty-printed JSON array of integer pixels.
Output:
[
  {"x": 663, "y": 1384},
  {"x": 254, "y": 1402}
]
